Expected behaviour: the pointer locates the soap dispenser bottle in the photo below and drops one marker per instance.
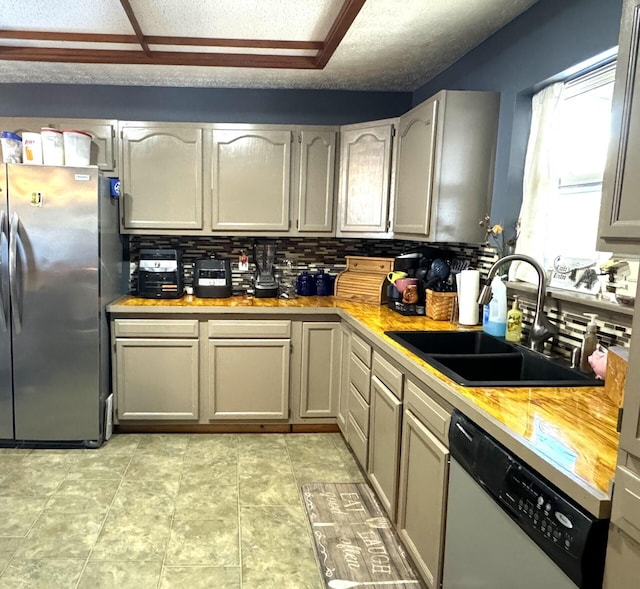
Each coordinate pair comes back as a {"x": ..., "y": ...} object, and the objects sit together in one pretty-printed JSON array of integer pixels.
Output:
[
  {"x": 590, "y": 343},
  {"x": 514, "y": 322}
]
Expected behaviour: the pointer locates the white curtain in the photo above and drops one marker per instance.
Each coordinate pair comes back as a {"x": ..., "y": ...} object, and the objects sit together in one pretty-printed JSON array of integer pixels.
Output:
[{"x": 540, "y": 182}]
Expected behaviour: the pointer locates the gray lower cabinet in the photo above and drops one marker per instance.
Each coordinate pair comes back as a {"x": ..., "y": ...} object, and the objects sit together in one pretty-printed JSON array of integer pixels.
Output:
[
  {"x": 385, "y": 422},
  {"x": 424, "y": 473},
  {"x": 250, "y": 179},
  {"x": 343, "y": 402},
  {"x": 358, "y": 399},
  {"x": 156, "y": 369},
  {"x": 619, "y": 227},
  {"x": 248, "y": 370},
  {"x": 623, "y": 561},
  {"x": 161, "y": 175},
  {"x": 320, "y": 373}
]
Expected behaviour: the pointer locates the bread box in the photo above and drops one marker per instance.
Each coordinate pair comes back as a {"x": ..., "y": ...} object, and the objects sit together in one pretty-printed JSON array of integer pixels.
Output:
[{"x": 364, "y": 280}]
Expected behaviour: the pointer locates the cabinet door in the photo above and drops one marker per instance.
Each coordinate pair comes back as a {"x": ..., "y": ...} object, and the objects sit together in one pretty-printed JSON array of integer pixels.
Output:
[
  {"x": 162, "y": 177},
  {"x": 249, "y": 379},
  {"x": 414, "y": 169},
  {"x": 320, "y": 384},
  {"x": 102, "y": 133},
  {"x": 156, "y": 378},
  {"x": 250, "y": 180},
  {"x": 384, "y": 444},
  {"x": 623, "y": 561},
  {"x": 316, "y": 181},
  {"x": 365, "y": 169},
  {"x": 620, "y": 209},
  {"x": 345, "y": 357},
  {"x": 424, "y": 472},
  {"x": 630, "y": 427}
]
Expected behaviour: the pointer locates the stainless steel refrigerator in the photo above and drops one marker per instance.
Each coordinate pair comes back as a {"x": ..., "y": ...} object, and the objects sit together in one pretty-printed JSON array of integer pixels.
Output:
[{"x": 60, "y": 264}]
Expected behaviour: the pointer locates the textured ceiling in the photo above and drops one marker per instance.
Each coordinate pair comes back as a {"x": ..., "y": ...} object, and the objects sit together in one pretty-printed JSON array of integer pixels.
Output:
[{"x": 392, "y": 44}]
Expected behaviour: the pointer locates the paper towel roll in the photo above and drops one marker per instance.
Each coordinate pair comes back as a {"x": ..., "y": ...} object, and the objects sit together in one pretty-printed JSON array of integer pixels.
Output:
[{"x": 468, "y": 291}]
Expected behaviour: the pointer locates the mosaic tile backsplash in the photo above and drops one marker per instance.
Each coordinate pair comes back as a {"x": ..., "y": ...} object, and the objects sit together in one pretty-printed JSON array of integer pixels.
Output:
[{"x": 298, "y": 254}]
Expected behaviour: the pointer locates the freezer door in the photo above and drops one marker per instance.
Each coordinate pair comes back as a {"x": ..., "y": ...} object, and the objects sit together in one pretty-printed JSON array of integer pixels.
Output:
[
  {"x": 6, "y": 390},
  {"x": 53, "y": 255}
]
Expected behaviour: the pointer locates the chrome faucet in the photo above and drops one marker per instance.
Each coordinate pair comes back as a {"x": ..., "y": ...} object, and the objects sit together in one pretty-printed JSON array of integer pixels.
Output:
[{"x": 542, "y": 328}]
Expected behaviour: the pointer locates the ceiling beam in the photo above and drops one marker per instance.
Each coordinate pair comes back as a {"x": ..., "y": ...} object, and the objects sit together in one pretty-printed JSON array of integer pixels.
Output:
[
  {"x": 347, "y": 15},
  {"x": 254, "y": 43},
  {"x": 136, "y": 27},
  {"x": 160, "y": 40},
  {"x": 157, "y": 58},
  {"x": 325, "y": 49}
]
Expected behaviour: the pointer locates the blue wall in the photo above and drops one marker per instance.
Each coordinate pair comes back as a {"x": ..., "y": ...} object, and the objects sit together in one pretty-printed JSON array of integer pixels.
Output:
[
  {"x": 219, "y": 105},
  {"x": 549, "y": 38}
]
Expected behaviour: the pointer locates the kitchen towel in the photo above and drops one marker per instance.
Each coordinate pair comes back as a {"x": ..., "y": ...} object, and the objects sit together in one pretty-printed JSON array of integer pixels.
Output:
[{"x": 468, "y": 290}]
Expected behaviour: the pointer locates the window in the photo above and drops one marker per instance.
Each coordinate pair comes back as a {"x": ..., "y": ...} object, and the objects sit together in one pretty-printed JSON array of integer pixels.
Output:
[
  {"x": 579, "y": 143},
  {"x": 564, "y": 168}
]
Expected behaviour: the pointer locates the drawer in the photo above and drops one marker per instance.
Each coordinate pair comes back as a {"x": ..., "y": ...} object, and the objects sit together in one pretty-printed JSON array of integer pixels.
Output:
[
  {"x": 625, "y": 511},
  {"x": 156, "y": 328},
  {"x": 358, "y": 441},
  {"x": 377, "y": 265},
  {"x": 388, "y": 374},
  {"x": 360, "y": 377},
  {"x": 249, "y": 329},
  {"x": 361, "y": 349},
  {"x": 428, "y": 411},
  {"x": 359, "y": 410}
]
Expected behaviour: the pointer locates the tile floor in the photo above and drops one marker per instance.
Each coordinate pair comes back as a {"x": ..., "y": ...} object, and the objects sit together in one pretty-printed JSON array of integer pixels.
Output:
[{"x": 160, "y": 511}]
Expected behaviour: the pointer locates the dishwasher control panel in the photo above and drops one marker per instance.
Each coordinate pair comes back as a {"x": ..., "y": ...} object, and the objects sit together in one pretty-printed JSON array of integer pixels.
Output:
[{"x": 538, "y": 507}]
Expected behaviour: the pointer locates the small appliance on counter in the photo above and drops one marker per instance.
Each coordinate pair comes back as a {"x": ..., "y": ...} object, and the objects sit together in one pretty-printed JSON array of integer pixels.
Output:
[
  {"x": 212, "y": 278},
  {"x": 264, "y": 282},
  {"x": 160, "y": 274}
]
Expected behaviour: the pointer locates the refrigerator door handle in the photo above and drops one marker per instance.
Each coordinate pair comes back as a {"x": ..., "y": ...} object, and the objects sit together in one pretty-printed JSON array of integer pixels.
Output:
[
  {"x": 4, "y": 322},
  {"x": 13, "y": 272}
]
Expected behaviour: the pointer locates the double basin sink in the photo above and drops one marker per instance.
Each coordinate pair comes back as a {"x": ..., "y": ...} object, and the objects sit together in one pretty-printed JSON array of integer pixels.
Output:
[{"x": 477, "y": 359}]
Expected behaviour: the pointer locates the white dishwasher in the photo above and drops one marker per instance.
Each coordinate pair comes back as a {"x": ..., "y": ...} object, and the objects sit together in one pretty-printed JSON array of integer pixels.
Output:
[{"x": 508, "y": 527}]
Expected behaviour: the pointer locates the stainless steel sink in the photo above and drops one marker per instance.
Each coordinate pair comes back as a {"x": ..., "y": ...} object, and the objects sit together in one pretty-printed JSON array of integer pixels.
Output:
[{"x": 477, "y": 359}]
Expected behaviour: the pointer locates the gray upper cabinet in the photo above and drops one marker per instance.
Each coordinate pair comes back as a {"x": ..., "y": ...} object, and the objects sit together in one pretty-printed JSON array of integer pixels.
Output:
[
  {"x": 365, "y": 179},
  {"x": 250, "y": 179},
  {"x": 444, "y": 167},
  {"x": 414, "y": 169},
  {"x": 103, "y": 135},
  {"x": 161, "y": 177},
  {"x": 619, "y": 228},
  {"x": 315, "y": 180}
]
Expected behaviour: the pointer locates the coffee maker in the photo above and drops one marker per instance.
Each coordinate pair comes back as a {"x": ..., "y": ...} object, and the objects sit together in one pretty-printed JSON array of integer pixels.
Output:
[{"x": 264, "y": 282}]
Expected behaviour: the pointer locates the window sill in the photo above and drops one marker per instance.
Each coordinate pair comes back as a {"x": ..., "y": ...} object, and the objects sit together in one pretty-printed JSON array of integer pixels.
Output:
[{"x": 577, "y": 298}]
